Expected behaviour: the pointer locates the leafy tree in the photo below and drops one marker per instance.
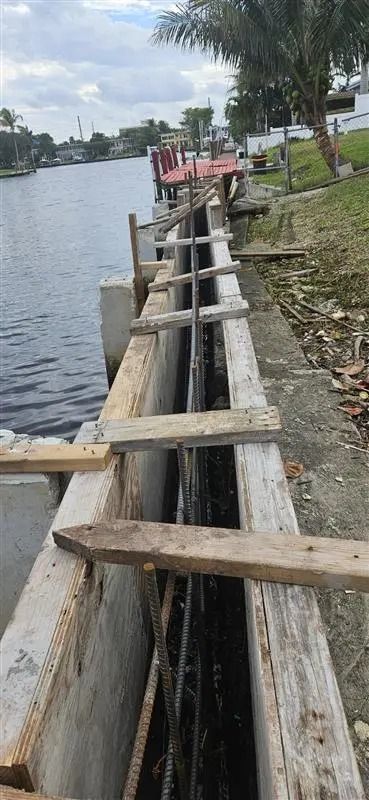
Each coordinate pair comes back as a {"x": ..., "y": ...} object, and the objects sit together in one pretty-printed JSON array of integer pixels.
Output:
[
  {"x": 99, "y": 145},
  {"x": 46, "y": 145},
  {"x": 9, "y": 119},
  {"x": 191, "y": 117},
  {"x": 28, "y": 136},
  {"x": 248, "y": 109},
  {"x": 303, "y": 42},
  {"x": 163, "y": 126}
]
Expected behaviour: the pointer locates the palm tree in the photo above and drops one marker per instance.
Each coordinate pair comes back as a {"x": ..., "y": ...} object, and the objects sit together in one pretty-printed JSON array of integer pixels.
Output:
[
  {"x": 300, "y": 42},
  {"x": 9, "y": 119},
  {"x": 25, "y": 131}
]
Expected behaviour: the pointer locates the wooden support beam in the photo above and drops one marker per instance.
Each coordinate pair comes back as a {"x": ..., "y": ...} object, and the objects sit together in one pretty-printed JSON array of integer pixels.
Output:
[
  {"x": 181, "y": 319},
  {"x": 55, "y": 458},
  {"x": 184, "y": 211},
  {"x": 223, "y": 237},
  {"x": 268, "y": 252},
  {"x": 154, "y": 264},
  {"x": 303, "y": 560},
  {"x": 202, "y": 429},
  {"x": 203, "y": 274},
  {"x": 139, "y": 282},
  {"x": 8, "y": 793}
]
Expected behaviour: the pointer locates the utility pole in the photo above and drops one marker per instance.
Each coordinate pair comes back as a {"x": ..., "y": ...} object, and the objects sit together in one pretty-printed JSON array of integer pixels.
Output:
[
  {"x": 92, "y": 126},
  {"x": 80, "y": 129}
]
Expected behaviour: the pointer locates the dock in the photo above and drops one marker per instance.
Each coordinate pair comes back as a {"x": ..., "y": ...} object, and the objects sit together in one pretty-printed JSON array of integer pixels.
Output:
[{"x": 80, "y": 674}]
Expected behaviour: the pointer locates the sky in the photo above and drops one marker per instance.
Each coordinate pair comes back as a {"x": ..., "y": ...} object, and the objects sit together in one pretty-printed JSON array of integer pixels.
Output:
[{"x": 61, "y": 58}]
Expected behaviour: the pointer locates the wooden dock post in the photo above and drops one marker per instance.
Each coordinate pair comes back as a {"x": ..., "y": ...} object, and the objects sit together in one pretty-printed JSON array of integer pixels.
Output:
[{"x": 139, "y": 282}]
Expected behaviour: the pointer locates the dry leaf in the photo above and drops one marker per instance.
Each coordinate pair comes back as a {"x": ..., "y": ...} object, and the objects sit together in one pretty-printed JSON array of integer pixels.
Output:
[
  {"x": 292, "y": 469},
  {"x": 351, "y": 368},
  {"x": 338, "y": 385},
  {"x": 353, "y": 411}
]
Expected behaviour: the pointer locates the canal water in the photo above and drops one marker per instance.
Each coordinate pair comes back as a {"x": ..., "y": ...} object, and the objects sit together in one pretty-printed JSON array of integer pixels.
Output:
[{"x": 62, "y": 231}]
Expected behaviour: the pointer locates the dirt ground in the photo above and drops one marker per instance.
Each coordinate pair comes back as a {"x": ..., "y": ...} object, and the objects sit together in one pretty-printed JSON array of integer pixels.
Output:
[{"x": 296, "y": 362}]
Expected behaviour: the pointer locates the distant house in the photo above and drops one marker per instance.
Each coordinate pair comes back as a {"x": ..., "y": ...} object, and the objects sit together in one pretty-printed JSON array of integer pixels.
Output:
[
  {"x": 120, "y": 145},
  {"x": 178, "y": 138},
  {"x": 75, "y": 151}
]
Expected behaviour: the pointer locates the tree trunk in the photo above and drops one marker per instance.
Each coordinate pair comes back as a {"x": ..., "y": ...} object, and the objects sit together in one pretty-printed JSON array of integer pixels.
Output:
[
  {"x": 364, "y": 78},
  {"x": 325, "y": 145},
  {"x": 16, "y": 152}
]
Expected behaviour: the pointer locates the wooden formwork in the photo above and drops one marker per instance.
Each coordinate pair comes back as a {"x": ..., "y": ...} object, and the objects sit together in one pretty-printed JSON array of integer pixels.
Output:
[
  {"x": 303, "y": 746},
  {"x": 74, "y": 653}
]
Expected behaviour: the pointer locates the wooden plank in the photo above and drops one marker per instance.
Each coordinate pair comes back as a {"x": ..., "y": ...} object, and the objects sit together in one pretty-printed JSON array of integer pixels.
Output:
[
  {"x": 304, "y": 560},
  {"x": 201, "y": 429},
  {"x": 302, "y": 739},
  {"x": 181, "y": 319},
  {"x": 183, "y": 212},
  {"x": 222, "y": 237},
  {"x": 139, "y": 282},
  {"x": 154, "y": 264},
  {"x": 204, "y": 274},
  {"x": 8, "y": 793},
  {"x": 74, "y": 654},
  {"x": 55, "y": 458},
  {"x": 268, "y": 252}
]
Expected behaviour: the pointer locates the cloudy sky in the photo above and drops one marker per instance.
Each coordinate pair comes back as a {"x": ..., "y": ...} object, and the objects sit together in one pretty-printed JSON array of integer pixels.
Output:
[{"x": 93, "y": 58}]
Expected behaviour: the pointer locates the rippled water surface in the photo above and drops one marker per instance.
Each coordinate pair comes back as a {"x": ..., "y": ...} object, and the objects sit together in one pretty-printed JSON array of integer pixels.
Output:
[{"x": 63, "y": 230}]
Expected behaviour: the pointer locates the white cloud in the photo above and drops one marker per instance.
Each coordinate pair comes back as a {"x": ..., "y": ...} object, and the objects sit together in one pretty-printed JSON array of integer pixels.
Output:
[{"x": 94, "y": 57}]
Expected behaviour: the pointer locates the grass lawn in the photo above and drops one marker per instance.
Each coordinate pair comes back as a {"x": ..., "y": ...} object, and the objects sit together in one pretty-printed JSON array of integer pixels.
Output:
[
  {"x": 308, "y": 168},
  {"x": 332, "y": 224}
]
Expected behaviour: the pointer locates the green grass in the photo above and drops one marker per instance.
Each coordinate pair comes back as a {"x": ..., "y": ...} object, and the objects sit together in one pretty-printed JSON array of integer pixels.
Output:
[
  {"x": 333, "y": 225},
  {"x": 308, "y": 167}
]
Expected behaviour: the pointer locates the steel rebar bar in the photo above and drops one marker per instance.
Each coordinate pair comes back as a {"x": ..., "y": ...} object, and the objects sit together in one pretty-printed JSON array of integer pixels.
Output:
[
  {"x": 166, "y": 677},
  {"x": 184, "y": 475},
  {"x": 135, "y": 766}
]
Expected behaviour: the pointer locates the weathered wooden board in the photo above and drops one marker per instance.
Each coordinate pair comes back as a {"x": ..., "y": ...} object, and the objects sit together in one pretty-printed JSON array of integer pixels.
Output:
[
  {"x": 204, "y": 429},
  {"x": 55, "y": 458},
  {"x": 302, "y": 738},
  {"x": 182, "y": 319},
  {"x": 204, "y": 274},
  {"x": 74, "y": 654},
  {"x": 304, "y": 560},
  {"x": 221, "y": 237},
  {"x": 268, "y": 252},
  {"x": 7, "y": 793}
]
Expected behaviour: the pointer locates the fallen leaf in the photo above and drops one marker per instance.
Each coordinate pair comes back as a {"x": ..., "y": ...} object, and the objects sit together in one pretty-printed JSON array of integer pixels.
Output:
[
  {"x": 353, "y": 411},
  {"x": 363, "y": 395},
  {"x": 351, "y": 368},
  {"x": 338, "y": 385},
  {"x": 292, "y": 469}
]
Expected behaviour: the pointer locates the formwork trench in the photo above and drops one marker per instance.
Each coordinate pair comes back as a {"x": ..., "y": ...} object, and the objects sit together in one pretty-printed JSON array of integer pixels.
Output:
[{"x": 226, "y": 751}]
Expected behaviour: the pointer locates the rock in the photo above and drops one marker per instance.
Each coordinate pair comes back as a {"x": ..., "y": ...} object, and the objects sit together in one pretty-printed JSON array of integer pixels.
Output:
[{"x": 362, "y": 730}]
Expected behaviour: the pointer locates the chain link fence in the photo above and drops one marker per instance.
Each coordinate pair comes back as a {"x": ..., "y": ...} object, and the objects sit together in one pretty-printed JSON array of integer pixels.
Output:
[{"x": 295, "y": 158}]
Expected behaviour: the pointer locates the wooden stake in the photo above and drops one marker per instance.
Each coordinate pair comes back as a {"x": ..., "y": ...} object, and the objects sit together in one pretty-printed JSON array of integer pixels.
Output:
[
  {"x": 280, "y": 558},
  {"x": 139, "y": 282}
]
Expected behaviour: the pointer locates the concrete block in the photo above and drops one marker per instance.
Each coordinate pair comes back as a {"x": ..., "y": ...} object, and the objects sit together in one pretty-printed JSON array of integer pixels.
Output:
[
  {"x": 28, "y": 505},
  {"x": 118, "y": 307},
  {"x": 345, "y": 169}
]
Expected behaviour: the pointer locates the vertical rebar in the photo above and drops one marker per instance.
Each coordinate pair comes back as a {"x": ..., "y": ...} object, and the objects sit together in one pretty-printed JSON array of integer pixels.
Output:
[
  {"x": 196, "y": 733},
  {"x": 166, "y": 677},
  {"x": 184, "y": 476},
  {"x": 166, "y": 789},
  {"x": 135, "y": 766}
]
